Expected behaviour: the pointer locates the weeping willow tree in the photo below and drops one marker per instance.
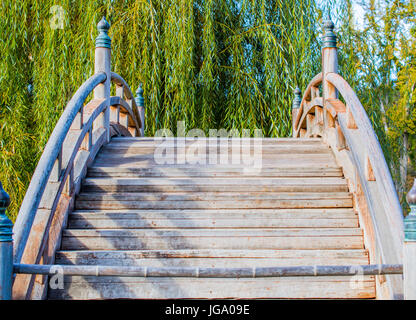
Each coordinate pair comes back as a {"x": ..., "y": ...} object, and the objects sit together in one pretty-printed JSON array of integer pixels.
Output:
[
  {"x": 378, "y": 60},
  {"x": 212, "y": 63}
]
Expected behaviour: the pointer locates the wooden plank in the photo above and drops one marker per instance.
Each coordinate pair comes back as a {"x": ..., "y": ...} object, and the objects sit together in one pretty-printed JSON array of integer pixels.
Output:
[
  {"x": 87, "y": 255},
  {"x": 219, "y": 181},
  {"x": 157, "y": 140},
  {"x": 243, "y": 258},
  {"x": 256, "y": 233},
  {"x": 271, "y": 204},
  {"x": 348, "y": 238},
  {"x": 150, "y": 288},
  {"x": 215, "y": 185},
  {"x": 204, "y": 220},
  {"x": 186, "y": 171},
  {"x": 265, "y": 163},
  {"x": 210, "y": 189},
  {"x": 179, "y": 243},
  {"x": 334, "y": 213},
  {"x": 114, "y": 156},
  {"x": 210, "y": 147},
  {"x": 194, "y": 223},
  {"x": 209, "y": 196}
]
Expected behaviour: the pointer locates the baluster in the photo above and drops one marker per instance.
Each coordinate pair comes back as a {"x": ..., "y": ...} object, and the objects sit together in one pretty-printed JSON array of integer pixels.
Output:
[
  {"x": 6, "y": 248},
  {"x": 131, "y": 127},
  {"x": 103, "y": 64},
  {"x": 314, "y": 93},
  {"x": 69, "y": 182},
  {"x": 140, "y": 106},
  {"x": 77, "y": 124},
  {"x": 341, "y": 143},
  {"x": 57, "y": 168},
  {"x": 409, "y": 247},
  {"x": 369, "y": 173},
  {"x": 350, "y": 119},
  {"x": 115, "y": 110},
  {"x": 90, "y": 139},
  {"x": 120, "y": 91},
  {"x": 85, "y": 145},
  {"x": 310, "y": 128},
  {"x": 124, "y": 119},
  {"x": 118, "y": 114}
]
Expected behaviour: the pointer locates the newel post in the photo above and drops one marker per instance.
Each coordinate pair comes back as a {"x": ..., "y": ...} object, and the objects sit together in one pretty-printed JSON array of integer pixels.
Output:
[
  {"x": 140, "y": 105},
  {"x": 103, "y": 64},
  {"x": 6, "y": 248},
  {"x": 329, "y": 62},
  {"x": 409, "y": 247},
  {"x": 297, "y": 100}
]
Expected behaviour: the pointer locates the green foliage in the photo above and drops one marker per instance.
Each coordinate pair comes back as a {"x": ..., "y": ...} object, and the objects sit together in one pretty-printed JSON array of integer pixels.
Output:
[
  {"x": 379, "y": 62},
  {"x": 16, "y": 127},
  {"x": 212, "y": 63}
]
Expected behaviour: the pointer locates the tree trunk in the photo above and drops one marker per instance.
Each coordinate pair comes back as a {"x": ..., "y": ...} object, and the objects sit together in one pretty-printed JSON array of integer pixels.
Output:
[{"x": 403, "y": 165}]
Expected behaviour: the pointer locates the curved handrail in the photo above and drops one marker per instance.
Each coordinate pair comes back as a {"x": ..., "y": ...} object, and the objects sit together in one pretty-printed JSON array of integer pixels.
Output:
[
  {"x": 316, "y": 80},
  {"x": 349, "y": 133},
  {"x": 347, "y": 130},
  {"x": 115, "y": 100},
  {"x": 46, "y": 163},
  {"x": 81, "y": 131},
  {"x": 380, "y": 167},
  {"x": 118, "y": 80},
  {"x": 375, "y": 153}
]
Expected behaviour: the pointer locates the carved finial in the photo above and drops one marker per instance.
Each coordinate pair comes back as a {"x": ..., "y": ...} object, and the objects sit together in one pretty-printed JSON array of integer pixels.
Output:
[
  {"x": 297, "y": 99},
  {"x": 411, "y": 199},
  {"x": 329, "y": 38},
  {"x": 6, "y": 226},
  {"x": 139, "y": 96},
  {"x": 103, "y": 40}
]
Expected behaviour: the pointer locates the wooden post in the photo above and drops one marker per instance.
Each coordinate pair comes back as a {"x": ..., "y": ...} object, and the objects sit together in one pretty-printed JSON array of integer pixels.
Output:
[
  {"x": 140, "y": 105},
  {"x": 329, "y": 63},
  {"x": 409, "y": 247},
  {"x": 6, "y": 248},
  {"x": 103, "y": 64},
  {"x": 297, "y": 100}
]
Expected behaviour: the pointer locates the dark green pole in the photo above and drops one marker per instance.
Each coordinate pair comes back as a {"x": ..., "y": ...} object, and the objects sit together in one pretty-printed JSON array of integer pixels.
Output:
[
  {"x": 409, "y": 247},
  {"x": 6, "y": 248}
]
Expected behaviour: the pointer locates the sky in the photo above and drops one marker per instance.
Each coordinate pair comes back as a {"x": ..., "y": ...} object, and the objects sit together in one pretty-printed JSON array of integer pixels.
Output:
[
  {"x": 358, "y": 15},
  {"x": 357, "y": 9}
]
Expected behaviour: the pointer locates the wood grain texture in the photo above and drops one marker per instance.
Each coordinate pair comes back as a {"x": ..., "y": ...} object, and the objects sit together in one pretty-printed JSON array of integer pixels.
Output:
[
  {"x": 348, "y": 131},
  {"x": 131, "y": 211},
  {"x": 133, "y": 288}
]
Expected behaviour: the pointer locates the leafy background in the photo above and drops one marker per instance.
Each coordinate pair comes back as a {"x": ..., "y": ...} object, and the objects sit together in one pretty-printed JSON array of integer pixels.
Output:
[{"x": 213, "y": 63}]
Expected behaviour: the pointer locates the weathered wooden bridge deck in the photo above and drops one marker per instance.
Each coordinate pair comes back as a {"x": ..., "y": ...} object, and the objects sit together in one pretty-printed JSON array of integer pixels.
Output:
[
  {"x": 116, "y": 215},
  {"x": 296, "y": 210}
]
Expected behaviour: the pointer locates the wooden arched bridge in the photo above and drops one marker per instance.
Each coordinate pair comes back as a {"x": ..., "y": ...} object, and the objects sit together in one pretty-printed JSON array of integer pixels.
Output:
[{"x": 110, "y": 213}]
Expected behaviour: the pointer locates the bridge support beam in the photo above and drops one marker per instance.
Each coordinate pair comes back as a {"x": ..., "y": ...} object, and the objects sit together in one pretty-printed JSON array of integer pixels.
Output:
[
  {"x": 409, "y": 247},
  {"x": 6, "y": 248}
]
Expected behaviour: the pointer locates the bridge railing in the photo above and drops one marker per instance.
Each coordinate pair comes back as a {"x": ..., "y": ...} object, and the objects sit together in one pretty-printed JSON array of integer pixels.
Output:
[
  {"x": 81, "y": 131},
  {"x": 344, "y": 125}
]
